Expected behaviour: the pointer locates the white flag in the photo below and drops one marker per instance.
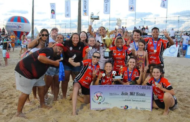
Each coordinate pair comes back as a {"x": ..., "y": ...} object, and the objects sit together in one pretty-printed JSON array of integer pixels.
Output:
[
  {"x": 53, "y": 13},
  {"x": 164, "y": 4},
  {"x": 132, "y": 5},
  {"x": 107, "y": 6},
  {"x": 85, "y": 8},
  {"x": 67, "y": 9}
]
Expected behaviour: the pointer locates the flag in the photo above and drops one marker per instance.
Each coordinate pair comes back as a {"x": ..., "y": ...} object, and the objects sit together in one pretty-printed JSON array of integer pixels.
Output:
[
  {"x": 67, "y": 8},
  {"x": 61, "y": 70},
  {"x": 53, "y": 13},
  {"x": 132, "y": 5},
  {"x": 85, "y": 7},
  {"x": 164, "y": 4},
  {"x": 107, "y": 6}
]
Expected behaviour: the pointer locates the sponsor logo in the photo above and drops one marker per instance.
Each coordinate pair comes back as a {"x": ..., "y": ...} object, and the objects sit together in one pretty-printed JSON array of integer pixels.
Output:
[
  {"x": 98, "y": 97},
  {"x": 15, "y": 26},
  {"x": 152, "y": 57}
]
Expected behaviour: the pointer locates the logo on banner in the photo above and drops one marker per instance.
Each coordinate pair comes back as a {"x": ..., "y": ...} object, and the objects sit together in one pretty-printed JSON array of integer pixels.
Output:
[
  {"x": 98, "y": 97},
  {"x": 131, "y": 8},
  {"x": 106, "y": 1},
  {"x": 172, "y": 50}
]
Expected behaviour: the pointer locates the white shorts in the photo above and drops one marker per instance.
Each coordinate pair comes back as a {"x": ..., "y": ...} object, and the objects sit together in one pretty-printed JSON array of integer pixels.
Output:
[
  {"x": 23, "y": 46},
  {"x": 25, "y": 85},
  {"x": 4, "y": 53}
]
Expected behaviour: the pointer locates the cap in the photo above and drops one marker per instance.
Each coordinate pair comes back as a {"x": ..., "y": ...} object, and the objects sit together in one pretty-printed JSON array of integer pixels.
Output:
[
  {"x": 59, "y": 45},
  {"x": 55, "y": 29}
]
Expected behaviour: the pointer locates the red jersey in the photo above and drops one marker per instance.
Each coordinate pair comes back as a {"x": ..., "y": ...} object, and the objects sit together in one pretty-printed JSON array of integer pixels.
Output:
[
  {"x": 113, "y": 42},
  {"x": 85, "y": 75},
  {"x": 132, "y": 74},
  {"x": 106, "y": 80},
  {"x": 159, "y": 94},
  {"x": 84, "y": 51},
  {"x": 156, "y": 57},
  {"x": 119, "y": 57}
]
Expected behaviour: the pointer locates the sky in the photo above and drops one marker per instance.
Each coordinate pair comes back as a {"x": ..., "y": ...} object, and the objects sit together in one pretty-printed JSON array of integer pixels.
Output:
[{"x": 148, "y": 13}]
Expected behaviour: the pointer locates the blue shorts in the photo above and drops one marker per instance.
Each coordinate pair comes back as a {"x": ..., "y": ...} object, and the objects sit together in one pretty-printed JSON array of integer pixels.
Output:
[
  {"x": 184, "y": 47},
  {"x": 71, "y": 68},
  {"x": 52, "y": 71}
]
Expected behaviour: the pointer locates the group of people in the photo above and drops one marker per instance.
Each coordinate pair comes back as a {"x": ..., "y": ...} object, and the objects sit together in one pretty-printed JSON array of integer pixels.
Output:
[
  {"x": 8, "y": 41},
  {"x": 137, "y": 60}
]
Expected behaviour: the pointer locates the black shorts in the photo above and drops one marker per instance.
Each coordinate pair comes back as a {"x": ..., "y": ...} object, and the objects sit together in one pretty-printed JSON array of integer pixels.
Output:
[
  {"x": 162, "y": 105},
  {"x": 85, "y": 90}
]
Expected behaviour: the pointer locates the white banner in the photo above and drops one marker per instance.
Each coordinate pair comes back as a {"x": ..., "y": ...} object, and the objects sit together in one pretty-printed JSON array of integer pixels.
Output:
[
  {"x": 67, "y": 9},
  {"x": 53, "y": 13},
  {"x": 164, "y": 4},
  {"x": 107, "y": 6},
  {"x": 85, "y": 8},
  {"x": 172, "y": 51},
  {"x": 132, "y": 5}
]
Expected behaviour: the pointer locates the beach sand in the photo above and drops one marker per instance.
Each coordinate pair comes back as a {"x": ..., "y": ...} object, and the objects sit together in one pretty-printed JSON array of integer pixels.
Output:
[{"x": 177, "y": 71}]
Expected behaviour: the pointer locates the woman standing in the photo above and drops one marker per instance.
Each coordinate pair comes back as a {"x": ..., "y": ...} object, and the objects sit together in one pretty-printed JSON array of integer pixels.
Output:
[
  {"x": 119, "y": 54},
  {"x": 84, "y": 37},
  {"x": 74, "y": 48},
  {"x": 24, "y": 43},
  {"x": 163, "y": 91},
  {"x": 89, "y": 49}
]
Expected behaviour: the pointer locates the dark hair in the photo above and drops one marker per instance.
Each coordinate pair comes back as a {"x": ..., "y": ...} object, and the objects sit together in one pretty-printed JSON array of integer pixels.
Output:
[
  {"x": 108, "y": 62},
  {"x": 142, "y": 41},
  {"x": 155, "y": 28},
  {"x": 44, "y": 30},
  {"x": 86, "y": 40},
  {"x": 137, "y": 31},
  {"x": 159, "y": 68},
  {"x": 149, "y": 66},
  {"x": 97, "y": 52},
  {"x": 130, "y": 59},
  {"x": 73, "y": 35}
]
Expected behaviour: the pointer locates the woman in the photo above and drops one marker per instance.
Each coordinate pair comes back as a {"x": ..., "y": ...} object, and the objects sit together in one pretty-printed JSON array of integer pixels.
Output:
[
  {"x": 130, "y": 73},
  {"x": 89, "y": 49},
  {"x": 73, "y": 49},
  {"x": 83, "y": 80},
  {"x": 5, "y": 44},
  {"x": 105, "y": 78},
  {"x": 24, "y": 43},
  {"x": 147, "y": 74},
  {"x": 52, "y": 74},
  {"x": 119, "y": 54},
  {"x": 163, "y": 91},
  {"x": 84, "y": 37}
]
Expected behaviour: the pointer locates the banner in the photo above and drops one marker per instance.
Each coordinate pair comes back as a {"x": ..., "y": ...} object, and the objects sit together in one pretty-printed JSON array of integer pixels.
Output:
[
  {"x": 67, "y": 9},
  {"x": 53, "y": 13},
  {"x": 85, "y": 7},
  {"x": 132, "y": 5},
  {"x": 164, "y": 4},
  {"x": 187, "y": 55},
  {"x": 107, "y": 6},
  {"x": 172, "y": 51},
  {"x": 121, "y": 96}
]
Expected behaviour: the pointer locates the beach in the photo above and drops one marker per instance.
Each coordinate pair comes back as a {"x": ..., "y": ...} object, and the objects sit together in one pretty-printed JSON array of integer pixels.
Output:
[{"x": 176, "y": 71}]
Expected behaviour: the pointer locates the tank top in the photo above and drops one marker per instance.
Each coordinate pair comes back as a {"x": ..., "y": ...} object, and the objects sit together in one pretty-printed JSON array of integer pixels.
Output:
[{"x": 140, "y": 60}]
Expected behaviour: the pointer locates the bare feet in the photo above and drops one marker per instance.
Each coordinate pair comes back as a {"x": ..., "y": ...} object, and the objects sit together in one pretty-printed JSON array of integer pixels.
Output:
[
  {"x": 166, "y": 112},
  {"x": 45, "y": 106},
  {"x": 28, "y": 103},
  {"x": 21, "y": 115}
]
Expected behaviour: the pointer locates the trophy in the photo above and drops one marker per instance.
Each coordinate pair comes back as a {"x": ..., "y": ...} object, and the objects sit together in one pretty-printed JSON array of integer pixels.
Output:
[
  {"x": 107, "y": 42},
  {"x": 119, "y": 76},
  {"x": 92, "y": 17}
]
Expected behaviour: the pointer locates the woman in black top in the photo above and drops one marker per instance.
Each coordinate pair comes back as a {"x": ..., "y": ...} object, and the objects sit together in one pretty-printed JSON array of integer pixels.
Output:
[
  {"x": 73, "y": 48},
  {"x": 5, "y": 44}
]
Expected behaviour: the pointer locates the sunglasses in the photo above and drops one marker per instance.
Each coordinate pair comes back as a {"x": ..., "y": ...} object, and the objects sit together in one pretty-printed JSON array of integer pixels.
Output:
[
  {"x": 44, "y": 35},
  {"x": 96, "y": 57}
]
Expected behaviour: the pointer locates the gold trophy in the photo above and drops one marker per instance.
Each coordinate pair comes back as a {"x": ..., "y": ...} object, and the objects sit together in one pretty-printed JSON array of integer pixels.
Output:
[{"x": 107, "y": 42}]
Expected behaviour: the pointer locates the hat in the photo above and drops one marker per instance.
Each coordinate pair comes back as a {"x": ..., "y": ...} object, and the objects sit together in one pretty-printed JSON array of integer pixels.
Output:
[
  {"x": 55, "y": 29},
  {"x": 59, "y": 45}
]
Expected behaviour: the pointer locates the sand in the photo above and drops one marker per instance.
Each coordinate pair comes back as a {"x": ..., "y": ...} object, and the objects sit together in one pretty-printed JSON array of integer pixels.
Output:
[{"x": 177, "y": 71}]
